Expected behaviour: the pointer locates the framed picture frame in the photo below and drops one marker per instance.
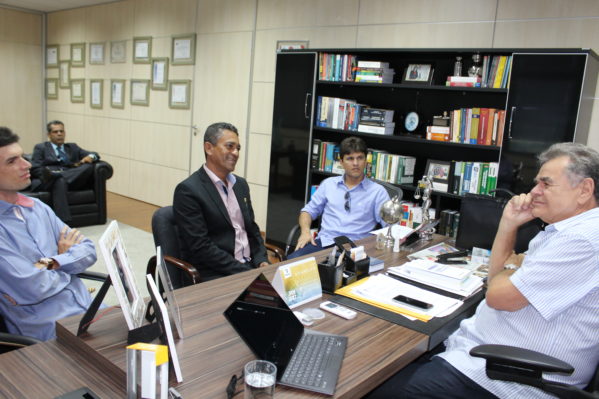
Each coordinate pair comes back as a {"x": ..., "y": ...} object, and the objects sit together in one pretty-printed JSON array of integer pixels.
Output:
[
  {"x": 77, "y": 90},
  {"x": 179, "y": 94},
  {"x": 142, "y": 50},
  {"x": 117, "y": 93},
  {"x": 292, "y": 44},
  {"x": 418, "y": 74},
  {"x": 64, "y": 74},
  {"x": 160, "y": 73},
  {"x": 96, "y": 53},
  {"x": 96, "y": 93},
  {"x": 51, "y": 88},
  {"x": 140, "y": 92},
  {"x": 183, "y": 49},
  {"x": 77, "y": 54},
  {"x": 52, "y": 55},
  {"x": 440, "y": 174},
  {"x": 118, "y": 52}
]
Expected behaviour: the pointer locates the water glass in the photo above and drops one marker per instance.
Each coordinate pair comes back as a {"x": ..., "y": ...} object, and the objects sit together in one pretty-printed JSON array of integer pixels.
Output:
[{"x": 260, "y": 378}]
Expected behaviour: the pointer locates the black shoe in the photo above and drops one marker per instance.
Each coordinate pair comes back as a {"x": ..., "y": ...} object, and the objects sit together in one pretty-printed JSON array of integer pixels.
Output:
[{"x": 49, "y": 175}]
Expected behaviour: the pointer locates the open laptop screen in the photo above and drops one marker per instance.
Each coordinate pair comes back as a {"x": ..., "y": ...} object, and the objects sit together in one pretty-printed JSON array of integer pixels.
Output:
[{"x": 265, "y": 323}]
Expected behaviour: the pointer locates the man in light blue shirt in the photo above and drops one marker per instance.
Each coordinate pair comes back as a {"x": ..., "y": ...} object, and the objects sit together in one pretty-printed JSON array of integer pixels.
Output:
[
  {"x": 39, "y": 255},
  {"x": 549, "y": 304},
  {"x": 349, "y": 204}
]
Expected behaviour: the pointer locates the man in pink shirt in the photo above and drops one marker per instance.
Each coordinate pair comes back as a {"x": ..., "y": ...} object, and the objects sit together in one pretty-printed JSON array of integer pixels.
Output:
[{"x": 213, "y": 211}]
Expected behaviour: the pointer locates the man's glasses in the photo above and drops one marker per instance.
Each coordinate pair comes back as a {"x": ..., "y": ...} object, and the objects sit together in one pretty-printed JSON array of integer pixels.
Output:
[
  {"x": 347, "y": 202},
  {"x": 232, "y": 386}
]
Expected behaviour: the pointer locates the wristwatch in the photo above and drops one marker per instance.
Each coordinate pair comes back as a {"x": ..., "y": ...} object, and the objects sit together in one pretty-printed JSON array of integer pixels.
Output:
[{"x": 49, "y": 262}]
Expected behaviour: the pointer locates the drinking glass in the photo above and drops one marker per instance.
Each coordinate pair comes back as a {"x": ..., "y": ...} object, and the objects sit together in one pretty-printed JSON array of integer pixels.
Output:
[{"x": 260, "y": 378}]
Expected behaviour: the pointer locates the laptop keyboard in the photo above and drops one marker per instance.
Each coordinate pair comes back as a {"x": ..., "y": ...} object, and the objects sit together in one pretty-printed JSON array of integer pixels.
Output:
[{"x": 307, "y": 366}]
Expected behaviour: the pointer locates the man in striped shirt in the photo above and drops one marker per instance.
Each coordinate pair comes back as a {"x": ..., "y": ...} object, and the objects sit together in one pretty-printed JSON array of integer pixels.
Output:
[{"x": 549, "y": 304}]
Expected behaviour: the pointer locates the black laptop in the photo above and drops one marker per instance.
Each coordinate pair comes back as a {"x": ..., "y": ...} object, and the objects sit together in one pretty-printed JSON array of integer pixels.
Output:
[{"x": 305, "y": 359}]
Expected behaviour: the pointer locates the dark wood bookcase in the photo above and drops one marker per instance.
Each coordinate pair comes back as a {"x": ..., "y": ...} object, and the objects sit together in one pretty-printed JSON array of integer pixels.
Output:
[{"x": 549, "y": 100}]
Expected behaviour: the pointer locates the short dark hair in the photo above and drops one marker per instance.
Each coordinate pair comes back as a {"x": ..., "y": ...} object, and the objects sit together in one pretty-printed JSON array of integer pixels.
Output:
[
  {"x": 215, "y": 131},
  {"x": 7, "y": 137},
  {"x": 352, "y": 144},
  {"x": 584, "y": 162},
  {"x": 54, "y": 122}
]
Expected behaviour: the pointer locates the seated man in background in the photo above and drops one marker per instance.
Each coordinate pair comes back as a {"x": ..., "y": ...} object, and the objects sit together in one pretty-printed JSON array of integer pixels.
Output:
[
  {"x": 214, "y": 214},
  {"x": 39, "y": 255},
  {"x": 549, "y": 304},
  {"x": 349, "y": 204},
  {"x": 58, "y": 166}
]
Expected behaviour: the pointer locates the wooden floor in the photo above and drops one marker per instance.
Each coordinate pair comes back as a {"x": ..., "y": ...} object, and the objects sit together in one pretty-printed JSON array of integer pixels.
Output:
[{"x": 130, "y": 211}]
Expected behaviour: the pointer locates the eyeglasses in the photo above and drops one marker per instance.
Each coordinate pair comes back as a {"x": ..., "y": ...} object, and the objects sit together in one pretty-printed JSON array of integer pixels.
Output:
[
  {"x": 347, "y": 202},
  {"x": 233, "y": 385}
]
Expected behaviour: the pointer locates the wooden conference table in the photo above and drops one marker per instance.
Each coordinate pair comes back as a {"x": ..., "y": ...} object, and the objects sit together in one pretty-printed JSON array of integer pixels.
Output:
[{"x": 211, "y": 351}]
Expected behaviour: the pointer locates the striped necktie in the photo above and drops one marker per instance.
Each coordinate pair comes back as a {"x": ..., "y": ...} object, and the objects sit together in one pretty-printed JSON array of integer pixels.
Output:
[{"x": 61, "y": 155}]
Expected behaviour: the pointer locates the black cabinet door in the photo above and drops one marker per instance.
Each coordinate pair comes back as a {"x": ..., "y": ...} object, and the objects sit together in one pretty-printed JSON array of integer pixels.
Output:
[
  {"x": 290, "y": 145},
  {"x": 542, "y": 109}
]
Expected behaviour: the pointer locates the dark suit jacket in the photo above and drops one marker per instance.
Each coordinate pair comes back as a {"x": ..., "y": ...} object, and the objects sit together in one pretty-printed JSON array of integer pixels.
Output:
[
  {"x": 44, "y": 155},
  {"x": 205, "y": 230}
]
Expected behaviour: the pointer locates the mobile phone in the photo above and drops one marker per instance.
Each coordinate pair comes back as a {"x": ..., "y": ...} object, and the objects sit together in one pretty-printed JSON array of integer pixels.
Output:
[{"x": 413, "y": 302}]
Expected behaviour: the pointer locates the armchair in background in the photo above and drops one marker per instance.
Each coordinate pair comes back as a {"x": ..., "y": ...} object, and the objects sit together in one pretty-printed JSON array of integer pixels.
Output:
[{"x": 87, "y": 206}]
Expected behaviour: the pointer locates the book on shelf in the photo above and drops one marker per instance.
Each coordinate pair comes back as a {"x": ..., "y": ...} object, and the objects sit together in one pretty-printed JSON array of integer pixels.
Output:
[
  {"x": 463, "y": 81},
  {"x": 482, "y": 126},
  {"x": 376, "y": 115},
  {"x": 373, "y": 64},
  {"x": 336, "y": 67},
  {"x": 373, "y": 72},
  {"x": 386, "y": 129},
  {"x": 438, "y": 133},
  {"x": 496, "y": 71}
]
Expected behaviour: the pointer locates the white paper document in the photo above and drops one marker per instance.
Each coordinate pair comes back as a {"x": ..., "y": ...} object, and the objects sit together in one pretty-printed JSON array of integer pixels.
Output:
[{"x": 397, "y": 231}]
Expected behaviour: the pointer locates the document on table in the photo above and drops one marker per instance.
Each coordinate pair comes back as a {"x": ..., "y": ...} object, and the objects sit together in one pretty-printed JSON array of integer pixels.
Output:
[
  {"x": 379, "y": 290},
  {"x": 397, "y": 231}
]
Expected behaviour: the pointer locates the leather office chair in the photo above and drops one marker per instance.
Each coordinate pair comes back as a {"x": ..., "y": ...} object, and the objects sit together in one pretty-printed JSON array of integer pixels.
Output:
[
  {"x": 87, "y": 206},
  {"x": 508, "y": 363},
  {"x": 10, "y": 341}
]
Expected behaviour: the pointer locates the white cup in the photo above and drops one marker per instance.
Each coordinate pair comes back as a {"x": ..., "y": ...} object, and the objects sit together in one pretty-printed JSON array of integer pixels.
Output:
[{"x": 260, "y": 377}]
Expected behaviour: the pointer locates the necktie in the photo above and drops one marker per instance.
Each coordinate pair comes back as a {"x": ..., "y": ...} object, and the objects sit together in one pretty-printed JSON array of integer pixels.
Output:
[{"x": 62, "y": 155}]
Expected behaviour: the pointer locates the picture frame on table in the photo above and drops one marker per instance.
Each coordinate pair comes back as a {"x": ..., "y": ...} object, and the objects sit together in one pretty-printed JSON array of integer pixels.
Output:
[
  {"x": 140, "y": 92},
  {"x": 77, "y": 90},
  {"x": 142, "y": 50},
  {"x": 64, "y": 74},
  {"x": 440, "y": 174},
  {"x": 51, "y": 88},
  {"x": 179, "y": 93},
  {"x": 77, "y": 54},
  {"x": 117, "y": 93},
  {"x": 52, "y": 55},
  {"x": 96, "y": 53},
  {"x": 118, "y": 52},
  {"x": 96, "y": 93},
  {"x": 418, "y": 74},
  {"x": 160, "y": 73},
  {"x": 183, "y": 49}
]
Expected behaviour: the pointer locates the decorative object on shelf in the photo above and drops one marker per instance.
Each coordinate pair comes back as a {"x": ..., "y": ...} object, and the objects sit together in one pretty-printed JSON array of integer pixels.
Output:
[
  {"x": 96, "y": 93},
  {"x": 292, "y": 44},
  {"x": 52, "y": 56},
  {"x": 96, "y": 53},
  {"x": 441, "y": 120},
  {"x": 160, "y": 73},
  {"x": 140, "y": 92},
  {"x": 117, "y": 93},
  {"x": 476, "y": 69},
  {"x": 77, "y": 90},
  {"x": 418, "y": 73},
  {"x": 179, "y": 94},
  {"x": 411, "y": 121},
  {"x": 77, "y": 54},
  {"x": 391, "y": 212},
  {"x": 118, "y": 52},
  {"x": 183, "y": 50},
  {"x": 64, "y": 74},
  {"x": 142, "y": 50},
  {"x": 457, "y": 66},
  {"x": 424, "y": 190},
  {"x": 51, "y": 88},
  {"x": 438, "y": 172}
]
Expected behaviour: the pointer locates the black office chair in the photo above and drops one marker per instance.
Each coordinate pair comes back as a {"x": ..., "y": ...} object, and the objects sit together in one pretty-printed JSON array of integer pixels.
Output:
[
  {"x": 10, "y": 341},
  {"x": 508, "y": 363},
  {"x": 166, "y": 235}
]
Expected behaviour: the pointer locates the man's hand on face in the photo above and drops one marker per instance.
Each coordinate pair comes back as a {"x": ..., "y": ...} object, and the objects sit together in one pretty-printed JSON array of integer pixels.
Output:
[
  {"x": 518, "y": 210},
  {"x": 303, "y": 239},
  {"x": 68, "y": 238}
]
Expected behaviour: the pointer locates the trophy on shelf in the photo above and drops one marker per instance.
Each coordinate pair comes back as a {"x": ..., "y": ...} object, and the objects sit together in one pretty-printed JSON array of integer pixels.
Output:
[
  {"x": 391, "y": 211},
  {"x": 424, "y": 190}
]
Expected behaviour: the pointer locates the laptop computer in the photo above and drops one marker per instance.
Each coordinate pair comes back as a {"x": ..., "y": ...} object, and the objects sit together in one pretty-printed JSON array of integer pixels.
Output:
[{"x": 305, "y": 359}]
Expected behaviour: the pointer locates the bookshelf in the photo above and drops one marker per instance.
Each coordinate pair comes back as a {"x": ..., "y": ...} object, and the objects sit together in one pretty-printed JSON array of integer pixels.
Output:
[{"x": 548, "y": 100}]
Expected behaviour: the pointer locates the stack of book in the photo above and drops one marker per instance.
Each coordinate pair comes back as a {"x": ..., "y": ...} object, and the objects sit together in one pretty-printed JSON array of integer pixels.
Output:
[
  {"x": 325, "y": 157},
  {"x": 392, "y": 168},
  {"x": 449, "y": 221},
  {"x": 337, "y": 113},
  {"x": 438, "y": 133},
  {"x": 483, "y": 126},
  {"x": 377, "y": 121},
  {"x": 464, "y": 81},
  {"x": 374, "y": 72},
  {"x": 412, "y": 214},
  {"x": 496, "y": 71},
  {"x": 336, "y": 67}
]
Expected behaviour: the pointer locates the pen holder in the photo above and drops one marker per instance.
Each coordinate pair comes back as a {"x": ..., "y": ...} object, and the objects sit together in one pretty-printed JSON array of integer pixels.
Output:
[
  {"x": 330, "y": 277},
  {"x": 360, "y": 267}
]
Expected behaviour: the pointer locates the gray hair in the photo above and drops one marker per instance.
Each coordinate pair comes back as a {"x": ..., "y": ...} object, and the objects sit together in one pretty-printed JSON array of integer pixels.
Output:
[
  {"x": 215, "y": 131},
  {"x": 584, "y": 162}
]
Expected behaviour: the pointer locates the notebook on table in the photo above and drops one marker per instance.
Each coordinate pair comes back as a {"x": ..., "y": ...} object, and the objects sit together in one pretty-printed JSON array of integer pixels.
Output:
[{"x": 305, "y": 359}]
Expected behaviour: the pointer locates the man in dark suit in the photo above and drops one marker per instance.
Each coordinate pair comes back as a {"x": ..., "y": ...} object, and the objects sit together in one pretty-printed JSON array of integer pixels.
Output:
[
  {"x": 214, "y": 214},
  {"x": 58, "y": 166}
]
